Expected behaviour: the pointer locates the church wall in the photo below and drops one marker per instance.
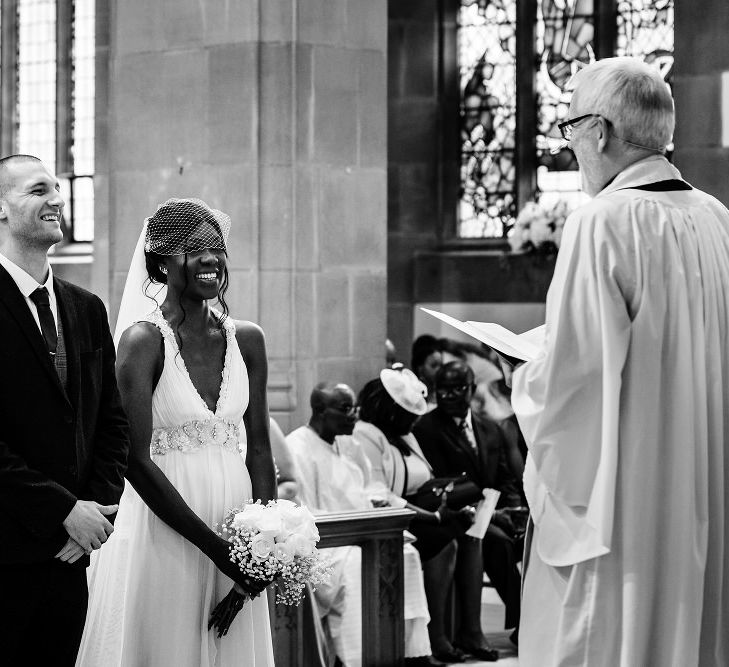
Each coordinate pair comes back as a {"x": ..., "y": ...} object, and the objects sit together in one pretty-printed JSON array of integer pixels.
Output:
[
  {"x": 702, "y": 112},
  {"x": 274, "y": 112},
  {"x": 413, "y": 155}
]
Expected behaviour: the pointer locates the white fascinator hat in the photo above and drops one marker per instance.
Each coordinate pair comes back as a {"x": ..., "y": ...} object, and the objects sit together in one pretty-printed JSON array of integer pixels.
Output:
[{"x": 405, "y": 389}]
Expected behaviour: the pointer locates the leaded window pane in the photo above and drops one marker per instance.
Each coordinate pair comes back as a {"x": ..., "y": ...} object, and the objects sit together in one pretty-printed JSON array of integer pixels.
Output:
[
  {"x": 37, "y": 80},
  {"x": 84, "y": 43},
  {"x": 645, "y": 30},
  {"x": 487, "y": 58},
  {"x": 564, "y": 42},
  {"x": 83, "y": 86}
]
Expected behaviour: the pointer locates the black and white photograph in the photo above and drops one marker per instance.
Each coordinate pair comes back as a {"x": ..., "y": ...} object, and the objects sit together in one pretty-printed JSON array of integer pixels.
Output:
[{"x": 364, "y": 333}]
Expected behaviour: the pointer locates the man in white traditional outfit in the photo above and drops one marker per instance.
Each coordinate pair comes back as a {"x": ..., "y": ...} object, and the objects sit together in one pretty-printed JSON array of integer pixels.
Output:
[
  {"x": 331, "y": 481},
  {"x": 626, "y": 412}
]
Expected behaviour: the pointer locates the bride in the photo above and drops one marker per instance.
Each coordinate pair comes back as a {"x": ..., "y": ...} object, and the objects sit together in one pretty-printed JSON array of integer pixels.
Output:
[{"x": 188, "y": 375}]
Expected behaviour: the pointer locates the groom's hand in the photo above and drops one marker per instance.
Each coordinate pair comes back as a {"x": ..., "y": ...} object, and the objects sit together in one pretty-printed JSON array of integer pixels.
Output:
[
  {"x": 87, "y": 524},
  {"x": 71, "y": 551}
]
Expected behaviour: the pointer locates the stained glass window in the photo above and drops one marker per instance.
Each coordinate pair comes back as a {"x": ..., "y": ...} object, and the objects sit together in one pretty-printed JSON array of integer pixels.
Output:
[
  {"x": 564, "y": 36},
  {"x": 492, "y": 170},
  {"x": 487, "y": 50},
  {"x": 645, "y": 30}
]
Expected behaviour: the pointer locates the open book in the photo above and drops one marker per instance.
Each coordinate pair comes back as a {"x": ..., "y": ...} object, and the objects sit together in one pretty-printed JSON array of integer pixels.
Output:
[{"x": 515, "y": 347}]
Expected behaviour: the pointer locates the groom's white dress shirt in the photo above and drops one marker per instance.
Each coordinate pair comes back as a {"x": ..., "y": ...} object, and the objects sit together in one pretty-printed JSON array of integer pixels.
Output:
[{"x": 27, "y": 285}]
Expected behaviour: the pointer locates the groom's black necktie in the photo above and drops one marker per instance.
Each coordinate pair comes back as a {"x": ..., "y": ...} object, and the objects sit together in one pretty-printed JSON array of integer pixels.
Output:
[{"x": 48, "y": 324}]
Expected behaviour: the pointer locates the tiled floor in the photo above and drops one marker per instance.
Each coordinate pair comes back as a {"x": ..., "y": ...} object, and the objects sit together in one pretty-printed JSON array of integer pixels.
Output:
[{"x": 492, "y": 621}]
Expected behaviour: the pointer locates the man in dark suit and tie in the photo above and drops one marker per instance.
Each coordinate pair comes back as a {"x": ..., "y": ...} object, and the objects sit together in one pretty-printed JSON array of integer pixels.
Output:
[
  {"x": 456, "y": 441},
  {"x": 63, "y": 434}
]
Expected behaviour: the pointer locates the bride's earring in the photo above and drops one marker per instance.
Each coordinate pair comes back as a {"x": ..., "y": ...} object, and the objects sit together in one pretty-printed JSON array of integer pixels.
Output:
[{"x": 163, "y": 269}]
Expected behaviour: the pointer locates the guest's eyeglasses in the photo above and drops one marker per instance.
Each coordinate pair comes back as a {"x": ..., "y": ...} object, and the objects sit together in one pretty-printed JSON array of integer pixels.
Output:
[
  {"x": 443, "y": 392},
  {"x": 566, "y": 127},
  {"x": 348, "y": 410}
]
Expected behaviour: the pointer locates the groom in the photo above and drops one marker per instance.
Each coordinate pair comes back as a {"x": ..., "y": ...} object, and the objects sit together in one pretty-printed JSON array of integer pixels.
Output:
[{"x": 63, "y": 434}]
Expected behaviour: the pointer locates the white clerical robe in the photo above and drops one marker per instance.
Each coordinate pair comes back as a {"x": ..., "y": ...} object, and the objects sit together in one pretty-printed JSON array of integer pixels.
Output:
[
  {"x": 332, "y": 482},
  {"x": 626, "y": 415}
]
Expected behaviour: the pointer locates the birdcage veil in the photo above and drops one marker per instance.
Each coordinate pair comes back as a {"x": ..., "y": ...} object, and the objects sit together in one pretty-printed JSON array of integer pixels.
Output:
[
  {"x": 184, "y": 225},
  {"x": 178, "y": 226}
]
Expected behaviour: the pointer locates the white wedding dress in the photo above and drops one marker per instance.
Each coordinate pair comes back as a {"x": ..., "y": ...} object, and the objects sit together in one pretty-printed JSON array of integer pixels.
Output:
[{"x": 151, "y": 591}]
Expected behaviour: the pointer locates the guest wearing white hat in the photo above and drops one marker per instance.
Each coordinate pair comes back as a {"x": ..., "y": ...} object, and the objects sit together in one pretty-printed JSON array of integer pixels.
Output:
[{"x": 389, "y": 407}]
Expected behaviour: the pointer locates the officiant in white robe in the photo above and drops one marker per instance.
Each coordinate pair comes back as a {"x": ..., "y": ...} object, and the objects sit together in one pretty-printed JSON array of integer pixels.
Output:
[
  {"x": 331, "y": 481},
  {"x": 626, "y": 411}
]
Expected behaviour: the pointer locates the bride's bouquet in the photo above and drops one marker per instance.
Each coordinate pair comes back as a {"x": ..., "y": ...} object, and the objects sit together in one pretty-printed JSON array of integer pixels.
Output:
[{"x": 275, "y": 543}]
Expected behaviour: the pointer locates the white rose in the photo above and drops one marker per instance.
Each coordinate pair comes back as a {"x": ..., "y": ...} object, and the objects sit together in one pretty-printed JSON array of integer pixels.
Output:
[
  {"x": 540, "y": 232},
  {"x": 270, "y": 522},
  {"x": 261, "y": 546},
  {"x": 516, "y": 239},
  {"x": 528, "y": 214},
  {"x": 307, "y": 528},
  {"x": 249, "y": 517},
  {"x": 284, "y": 552},
  {"x": 292, "y": 517},
  {"x": 300, "y": 545}
]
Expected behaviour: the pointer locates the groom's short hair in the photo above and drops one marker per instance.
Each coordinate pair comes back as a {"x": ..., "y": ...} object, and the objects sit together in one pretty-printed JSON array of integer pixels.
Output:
[{"x": 5, "y": 183}]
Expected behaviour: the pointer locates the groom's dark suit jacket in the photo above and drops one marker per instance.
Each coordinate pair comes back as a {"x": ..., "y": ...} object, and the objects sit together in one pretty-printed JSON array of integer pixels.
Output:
[{"x": 56, "y": 446}]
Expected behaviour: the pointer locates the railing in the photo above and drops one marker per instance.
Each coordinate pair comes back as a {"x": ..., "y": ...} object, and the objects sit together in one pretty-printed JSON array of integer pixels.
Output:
[{"x": 379, "y": 534}]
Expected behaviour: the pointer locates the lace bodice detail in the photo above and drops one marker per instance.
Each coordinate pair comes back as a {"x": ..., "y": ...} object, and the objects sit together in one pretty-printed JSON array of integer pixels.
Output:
[
  {"x": 181, "y": 420},
  {"x": 195, "y": 435}
]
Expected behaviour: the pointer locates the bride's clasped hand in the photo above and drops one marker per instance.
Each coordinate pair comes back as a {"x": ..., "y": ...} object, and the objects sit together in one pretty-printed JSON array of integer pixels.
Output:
[{"x": 270, "y": 544}]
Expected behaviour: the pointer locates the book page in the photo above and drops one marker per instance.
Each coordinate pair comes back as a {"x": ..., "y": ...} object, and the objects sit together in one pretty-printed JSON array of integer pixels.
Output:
[
  {"x": 535, "y": 335},
  {"x": 507, "y": 341},
  {"x": 501, "y": 339},
  {"x": 484, "y": 512}
]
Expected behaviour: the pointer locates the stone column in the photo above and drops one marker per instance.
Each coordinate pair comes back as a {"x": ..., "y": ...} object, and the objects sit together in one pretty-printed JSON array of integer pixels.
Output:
[
  {"x": 274, "y": 111},
  {"x": 701, "y": 93}
]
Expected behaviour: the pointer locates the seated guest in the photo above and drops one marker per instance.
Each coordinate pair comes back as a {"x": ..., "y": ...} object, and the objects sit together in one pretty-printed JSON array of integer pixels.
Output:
[
  {"x": 456, "y": 441},
  {"x": 389, "y": 406},
  {"x": 330, "y": 481},
  {"x": 286, "y": 474},
  {"x": 491, "y": 397},
  {"x": 425, "y": 360}
]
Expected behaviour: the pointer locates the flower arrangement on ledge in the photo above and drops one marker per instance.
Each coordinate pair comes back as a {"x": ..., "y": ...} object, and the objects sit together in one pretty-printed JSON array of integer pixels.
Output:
[{"x": 538, "y": 229}]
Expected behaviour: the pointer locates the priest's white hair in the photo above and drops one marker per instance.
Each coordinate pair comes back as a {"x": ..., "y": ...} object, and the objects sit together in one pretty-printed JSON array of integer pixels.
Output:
[{"x": 629, "y": 93}]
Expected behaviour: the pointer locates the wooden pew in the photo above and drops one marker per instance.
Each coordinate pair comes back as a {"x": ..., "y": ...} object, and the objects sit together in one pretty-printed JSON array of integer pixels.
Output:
[{"x": 379, "y": 534}]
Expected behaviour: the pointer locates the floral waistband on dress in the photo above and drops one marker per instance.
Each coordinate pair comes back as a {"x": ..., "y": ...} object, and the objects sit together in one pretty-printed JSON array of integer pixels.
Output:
[{"x": 194, "y": 435}]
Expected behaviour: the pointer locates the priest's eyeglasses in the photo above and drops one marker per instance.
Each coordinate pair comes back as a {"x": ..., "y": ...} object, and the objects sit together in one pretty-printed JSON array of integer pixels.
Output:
[{"x": 566, "y": 127}]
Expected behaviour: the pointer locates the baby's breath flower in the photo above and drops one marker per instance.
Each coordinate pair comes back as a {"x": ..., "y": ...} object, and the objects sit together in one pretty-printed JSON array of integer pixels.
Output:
[{"x": 277, "y": 524}]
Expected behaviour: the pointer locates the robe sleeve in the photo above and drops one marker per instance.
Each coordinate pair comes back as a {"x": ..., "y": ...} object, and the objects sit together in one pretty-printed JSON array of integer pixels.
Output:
[
  {"x": 309, "y": 474},
  {"x": 568, "y": 400}
]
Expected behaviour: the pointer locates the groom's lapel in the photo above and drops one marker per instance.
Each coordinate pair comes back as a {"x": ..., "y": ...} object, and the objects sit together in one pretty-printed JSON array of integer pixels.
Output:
[{"x": 19, "y": 313}]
